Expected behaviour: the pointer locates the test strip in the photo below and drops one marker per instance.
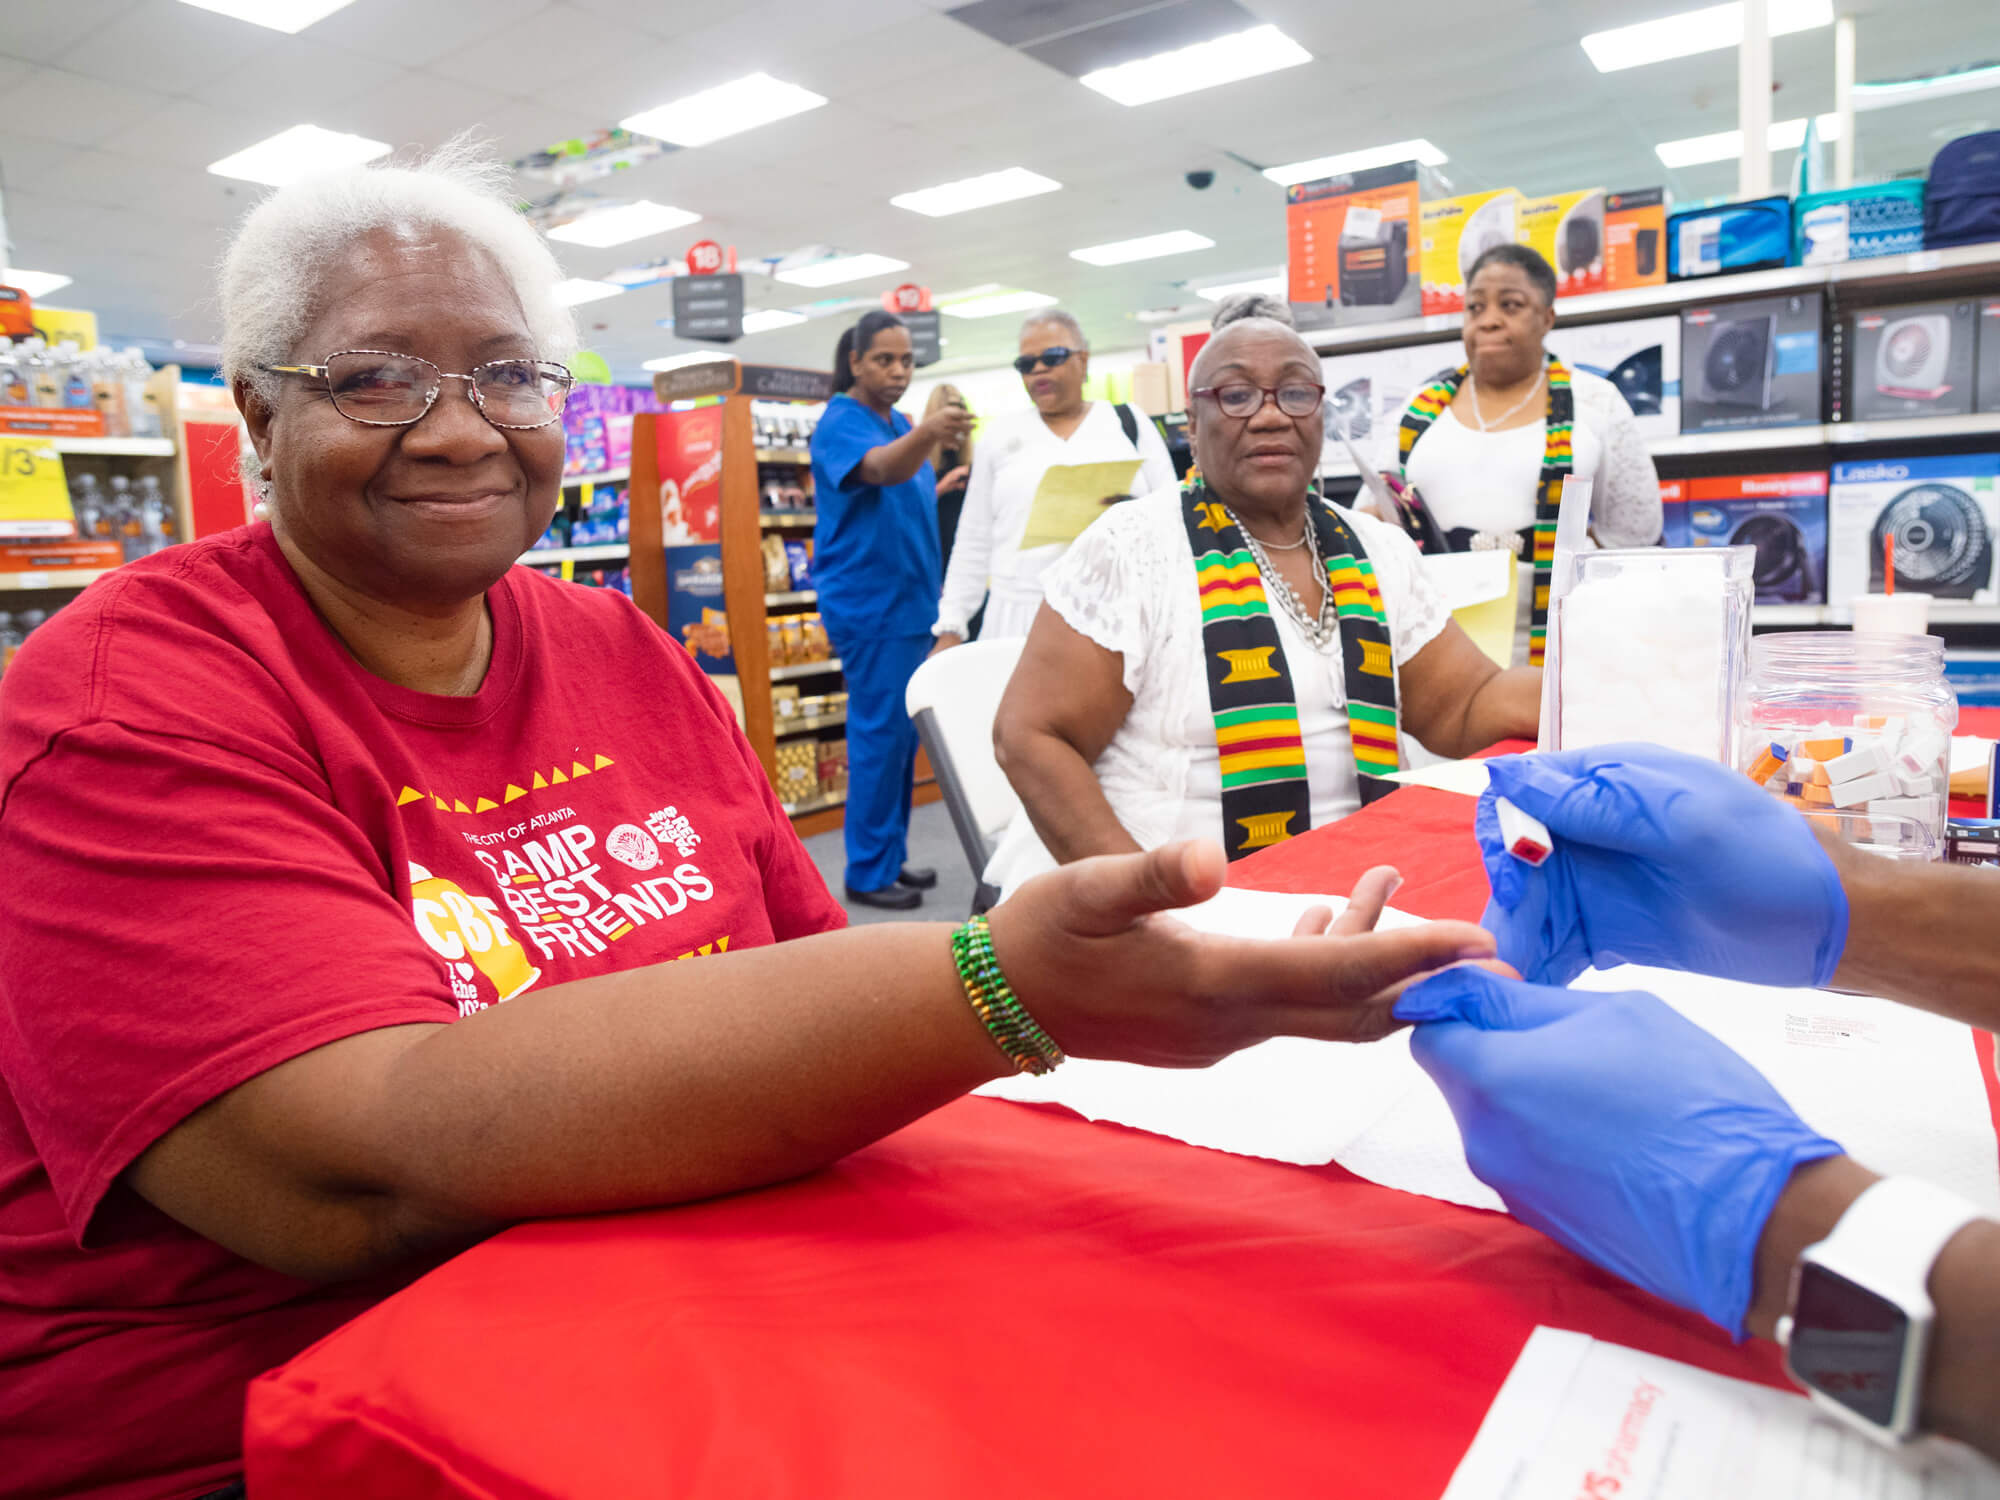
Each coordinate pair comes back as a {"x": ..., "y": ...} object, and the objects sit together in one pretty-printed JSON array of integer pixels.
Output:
[
  {"x": 1526, "y": 838},
  {"x": 1768, "y": 763}
]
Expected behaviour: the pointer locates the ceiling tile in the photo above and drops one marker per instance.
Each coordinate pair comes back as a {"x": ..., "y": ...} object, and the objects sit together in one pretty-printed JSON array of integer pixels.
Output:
[
  {"x": 299, "y": 79},
  {"x": 80, "y": 111},
  {"x": 411, "y": 34},
  {"x": 167, "y": 47},
  {"x": 545, "y": 52},
  {"x": 40, "y": 29},
  {"x": 416, "y": 108},
  {"x": 184, "y": 133}
]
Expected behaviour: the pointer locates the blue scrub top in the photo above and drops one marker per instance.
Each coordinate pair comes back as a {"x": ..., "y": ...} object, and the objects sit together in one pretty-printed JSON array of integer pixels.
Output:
[{"x": 876, "y": 560}]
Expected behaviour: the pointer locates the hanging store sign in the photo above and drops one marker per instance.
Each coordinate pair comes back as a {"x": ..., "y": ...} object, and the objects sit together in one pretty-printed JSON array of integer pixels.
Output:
[
  {"x": 708, "y": 308},
  {"x": 926, "y": 339}
]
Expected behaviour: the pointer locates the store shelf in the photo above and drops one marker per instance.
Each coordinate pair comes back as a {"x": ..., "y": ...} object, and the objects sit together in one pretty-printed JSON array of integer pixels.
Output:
[
  {"x": 1943, "y": 612},
  {"x": 1917, "y": 267},
  {"x": 604, "y": 476},
  {"x": 814, "y": 804},
  {"x": 113, "y": 447},
  {"x": 1825, "y": 435},
  {"x": 1914, "y": 429},
  {"x": 777, "y": 518},
  {"x": 604, "y": 553},
  {"x": 52, "y": 578},
  {"x": 1744, "y": 440},
  {"x": 804, "y": 669},
  {"x": 1788, "y": 614},
  {"x": 785, "y": 729},
  {"x": 783, "y": 456},
  {"x": 792, "y": 596}
]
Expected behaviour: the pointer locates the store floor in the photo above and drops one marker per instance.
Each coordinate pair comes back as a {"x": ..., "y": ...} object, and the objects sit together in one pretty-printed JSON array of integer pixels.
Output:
[{"x": 932, "y": 843}]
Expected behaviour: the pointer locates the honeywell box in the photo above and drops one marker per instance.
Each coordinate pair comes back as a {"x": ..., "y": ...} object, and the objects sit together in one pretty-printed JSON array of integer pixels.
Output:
[
  {"x": 1754, "y": 363},
  {"x": 1941, "y": 512},
  {"x": 1782, "y": 515},
  {"x": 1914, "y": 361},
  {"x": 1351, "y": 243},
  {"x": 1567, "y": 229}
]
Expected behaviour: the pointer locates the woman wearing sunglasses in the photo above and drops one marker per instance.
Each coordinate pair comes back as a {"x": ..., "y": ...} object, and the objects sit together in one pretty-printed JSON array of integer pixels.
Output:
[
  {"x": 988, "y": 562},
  {"x": 1236, "y": 660}
]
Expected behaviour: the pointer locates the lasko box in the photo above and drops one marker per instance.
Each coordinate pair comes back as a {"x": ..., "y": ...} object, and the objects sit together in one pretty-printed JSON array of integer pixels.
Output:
[
  {"x": 1351, "y": 242},
  {"x": 1568, "y": 231},
  {"x": 1635, "y": 238},
  {"x": 1914, "y": 361},
  {"x": 1456, "y": 232},
  {"x": 1753, "y": 363},
  {"x": 1941, "y": 512}
]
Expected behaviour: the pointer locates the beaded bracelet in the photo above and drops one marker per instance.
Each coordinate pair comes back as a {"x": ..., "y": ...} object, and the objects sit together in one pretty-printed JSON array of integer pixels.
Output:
[{"x": 1014, "y": 1031}]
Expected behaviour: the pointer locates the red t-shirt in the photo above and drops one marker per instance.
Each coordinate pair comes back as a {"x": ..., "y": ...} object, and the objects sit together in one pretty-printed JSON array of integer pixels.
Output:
[{"x": 224, "y": 843}]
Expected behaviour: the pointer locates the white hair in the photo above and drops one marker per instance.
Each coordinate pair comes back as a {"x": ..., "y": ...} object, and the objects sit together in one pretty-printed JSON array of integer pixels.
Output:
[
  {"x": 282, "y": 251},
  {"x": 1061, "y": 319}
]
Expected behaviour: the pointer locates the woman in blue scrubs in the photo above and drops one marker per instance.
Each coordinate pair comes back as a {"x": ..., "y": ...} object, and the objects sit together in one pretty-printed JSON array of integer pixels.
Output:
[{"x": 876, "y": 566}]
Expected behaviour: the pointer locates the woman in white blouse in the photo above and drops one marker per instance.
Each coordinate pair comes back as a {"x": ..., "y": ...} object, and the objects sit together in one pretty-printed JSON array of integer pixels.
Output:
[
  {"x": 1014, "y": 453},
  {"x": 1235, "y": 660},
  {"x": 1482, "y": 444}
]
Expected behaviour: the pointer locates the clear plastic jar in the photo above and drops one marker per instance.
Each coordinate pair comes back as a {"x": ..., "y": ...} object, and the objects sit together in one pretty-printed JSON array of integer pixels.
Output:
[{"x": 1855, "y": 730}]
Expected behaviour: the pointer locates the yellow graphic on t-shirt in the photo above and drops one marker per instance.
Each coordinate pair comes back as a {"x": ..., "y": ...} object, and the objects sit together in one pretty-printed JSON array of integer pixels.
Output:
[
  {"x": 460, "y": 928},
  {"x": 513, "y": 791}
]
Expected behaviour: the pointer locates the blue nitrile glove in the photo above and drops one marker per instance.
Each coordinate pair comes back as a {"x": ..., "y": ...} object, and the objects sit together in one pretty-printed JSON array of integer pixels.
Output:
[
  {"x": 1661, "y": 859},
  {"x": 1617, "y": 1127}
]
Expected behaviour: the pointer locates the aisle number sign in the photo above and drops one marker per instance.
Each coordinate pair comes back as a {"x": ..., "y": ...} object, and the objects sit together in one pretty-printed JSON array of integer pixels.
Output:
[
  {"x": 704, "y": 258},
  {"x": 34, "y": 494}
]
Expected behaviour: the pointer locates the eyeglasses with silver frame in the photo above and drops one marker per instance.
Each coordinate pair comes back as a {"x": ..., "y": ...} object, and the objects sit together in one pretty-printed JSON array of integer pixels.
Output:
[{"x": 381, "y": 388}]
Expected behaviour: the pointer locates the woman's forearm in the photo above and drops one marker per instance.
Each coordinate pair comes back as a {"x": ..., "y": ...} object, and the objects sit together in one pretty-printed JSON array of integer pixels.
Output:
[
  {"x": 1914, "y": 934},
  {"x": 894, "y": 462},
  {"x": 1506, "y": 706},
  {"x": 1062, "y": 797}
]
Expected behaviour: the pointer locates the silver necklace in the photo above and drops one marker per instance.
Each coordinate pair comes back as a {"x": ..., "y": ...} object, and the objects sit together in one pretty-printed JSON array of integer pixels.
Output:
[
  {"x": 1321, "y": 628},
  {"x": 1472, "y": 390}
]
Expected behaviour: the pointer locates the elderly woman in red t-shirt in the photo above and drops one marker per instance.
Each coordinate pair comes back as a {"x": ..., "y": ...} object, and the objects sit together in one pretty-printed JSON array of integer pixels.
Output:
[{"x": 285, "y": 813}]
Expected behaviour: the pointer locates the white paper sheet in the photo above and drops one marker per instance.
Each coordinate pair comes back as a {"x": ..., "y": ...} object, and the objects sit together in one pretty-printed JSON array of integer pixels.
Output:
[
  {"x": 1467, "y": 776},
  {"x": 1899, "y": 1088},
  {"x": 1581, "y": 1417}
]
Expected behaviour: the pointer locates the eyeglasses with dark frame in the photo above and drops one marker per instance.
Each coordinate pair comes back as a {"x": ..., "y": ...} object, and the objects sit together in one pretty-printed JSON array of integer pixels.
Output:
[
  {"x": 1295, "y": 398},
  {"x": 380, "y": 388},
  {"x": 1048, "y": 359}
]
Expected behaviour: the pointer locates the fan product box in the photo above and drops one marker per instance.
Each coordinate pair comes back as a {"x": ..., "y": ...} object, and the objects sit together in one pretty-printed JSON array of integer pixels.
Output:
[
  {"x": 1750, "y": 236},
  {"x": 1884, "y": 218},
  {"x": 1351, "y": 243},
  {"x": 1941, "y": 512},
  {"x": 1635, "y": 238},
  {"x": 1782, "y": 515},
  {"x": 1673, "y": 513},
  {"x": 1567, "y": 229},
  {"x": 1641, "y": 356},
  {"x": 1986, "y": 388},
  {"x": 1456, "y": 232},
  {"x": 1754, "y": 363},
  {"x": 1914, "y": 361},
  {"x": 1367, "y": 392}
]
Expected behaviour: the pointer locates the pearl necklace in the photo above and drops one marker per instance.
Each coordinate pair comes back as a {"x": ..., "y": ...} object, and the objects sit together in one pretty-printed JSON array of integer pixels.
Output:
[
  {"x": 1320, "y": 629},
  {"x": 1472, "y": 390}
]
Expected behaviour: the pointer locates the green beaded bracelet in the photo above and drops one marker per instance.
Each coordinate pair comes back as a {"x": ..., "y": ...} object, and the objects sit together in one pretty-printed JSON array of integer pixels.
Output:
[{"x": 1014, "y": 1031}]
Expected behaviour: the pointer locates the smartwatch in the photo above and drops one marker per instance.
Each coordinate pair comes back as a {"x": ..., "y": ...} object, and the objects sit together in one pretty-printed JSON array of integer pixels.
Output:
[{"x": 1861, "y": 1312}]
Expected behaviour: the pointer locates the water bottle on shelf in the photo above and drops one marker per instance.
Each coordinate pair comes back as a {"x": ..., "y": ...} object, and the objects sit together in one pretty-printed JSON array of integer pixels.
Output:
[
  {"x": 10, "y": 639},
  {"x": 74, "y": 367},
  {"x": 44, "y": 383},
  {"x": 142, "y": 411},
  {"x": 153, "y": 523},
  {"x": 87, "y": 501},
  {"x": 13, "y": 382}
]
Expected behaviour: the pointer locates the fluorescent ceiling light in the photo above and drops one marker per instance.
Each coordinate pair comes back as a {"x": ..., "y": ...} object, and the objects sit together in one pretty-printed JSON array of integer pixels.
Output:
[
  {"x": 1275, "y": 285},
  {"x": 1909, "y": 90},
  {"x": 976, "y": 192},
  {"x": 1356, "y": 161},
  {"x": 727, "y": 109},
  {"x": 1173, "y": 242},
  {"x": 298, "y": 152},
  {"x": 1205, "y": 65},
  {"x": 601, "y": 227},
  {"x": 765, "y": 319},
  {"x": 1727, "y": 145},
  {"x": 575, "y": 290},
  {"x": 842, "y": 268},
  {"x": 1694, "y": 31},
  {"x": 288, "y": 16},
  {"x": 34, "y": 283},
  {"x": 997, "y": 304}
]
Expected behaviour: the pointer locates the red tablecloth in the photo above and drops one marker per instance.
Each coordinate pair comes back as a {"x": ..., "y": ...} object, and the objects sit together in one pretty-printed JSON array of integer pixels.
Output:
[{"x": 998, "y": 1300}]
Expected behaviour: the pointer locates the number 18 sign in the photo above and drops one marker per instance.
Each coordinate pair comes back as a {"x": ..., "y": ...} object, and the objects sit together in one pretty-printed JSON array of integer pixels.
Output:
[{"x": 34, "y": 495}]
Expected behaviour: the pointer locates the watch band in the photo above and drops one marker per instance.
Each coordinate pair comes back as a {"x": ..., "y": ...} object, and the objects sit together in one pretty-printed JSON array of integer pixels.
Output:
[{"x": 1885, "y": 1244}]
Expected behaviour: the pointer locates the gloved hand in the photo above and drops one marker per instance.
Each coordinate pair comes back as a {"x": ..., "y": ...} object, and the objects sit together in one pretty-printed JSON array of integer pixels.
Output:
[
  {"x": 1615, "y": 1126},
  {"x": 1661, "y": 859}
]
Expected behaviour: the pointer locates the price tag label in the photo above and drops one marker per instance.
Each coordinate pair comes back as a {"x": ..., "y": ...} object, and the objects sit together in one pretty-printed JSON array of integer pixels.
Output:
[{"x": 34, "y": 494}]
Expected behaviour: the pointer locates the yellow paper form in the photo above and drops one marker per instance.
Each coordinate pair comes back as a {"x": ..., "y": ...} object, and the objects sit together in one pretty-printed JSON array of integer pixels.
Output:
[{"x": 1071, "y": 496}]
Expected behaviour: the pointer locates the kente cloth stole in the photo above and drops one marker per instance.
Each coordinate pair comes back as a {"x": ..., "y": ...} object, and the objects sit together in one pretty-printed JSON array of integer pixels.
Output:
[
  {"x": 1265, "y": 798},
  {"x": 1558, "y": 458}
]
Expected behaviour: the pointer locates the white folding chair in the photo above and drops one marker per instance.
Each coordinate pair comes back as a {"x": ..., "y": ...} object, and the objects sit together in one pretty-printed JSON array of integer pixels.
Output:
[{"x": 953, "y": 698}]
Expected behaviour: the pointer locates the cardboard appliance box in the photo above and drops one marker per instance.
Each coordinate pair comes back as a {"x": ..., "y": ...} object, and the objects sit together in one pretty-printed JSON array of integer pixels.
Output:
[
  {"x": 1641, "y": 356},
  {"x": 1914, "y": 361},
  {"x": 1367, "y": 392},
  {"x": 1567, "y": 229},
  {"x": 1456, "y": 232},
  {"x": 1986, "y": 387},
  {"x": 1885, "y": 218},
  {"x": 1942, "y": 512},
  {"x": 1351, "y": 243},
  {"x": 1750, "y": 236},
  {"x": 1753, "y": 363},
  {"x": 1782, "y": 515},
  {"x": 1635, "y": 238}
]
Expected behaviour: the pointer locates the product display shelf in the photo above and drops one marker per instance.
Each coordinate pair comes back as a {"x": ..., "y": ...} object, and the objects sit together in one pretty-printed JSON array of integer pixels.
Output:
[
  {"x": 806, "y": 723},
  {"x": 113, "y": 447},
  {"x": 824, "y": 802},
  {"x": 605, "y": 552},
  {"x": 792, "y": 596},
  {"x": 1825, "y": 435},
  {"x": 784, "y": 456},
  {"x": 778, "y": 520},
  {"x": 602, "y": 476},
  {"x": 797, "y": 669},
  {"x": 52, "y": 578},
  {"x": 1944, "y": 612}
]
